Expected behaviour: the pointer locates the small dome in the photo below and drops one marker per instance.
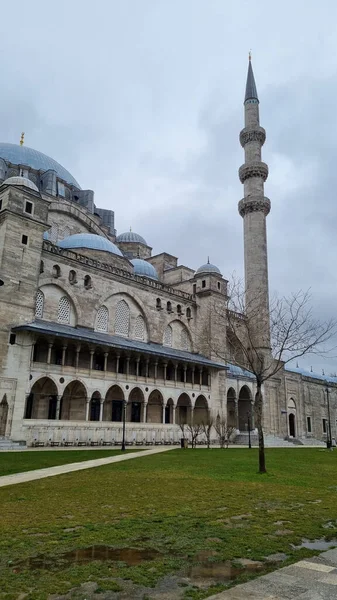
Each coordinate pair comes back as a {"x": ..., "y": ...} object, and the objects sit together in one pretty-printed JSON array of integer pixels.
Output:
[
  {"x": 131, "y": 236},
  {"x": 21, "y": 181},
  {"x": 90, "y": 241},
  {"x": 208, "y": 268},
  {"x": 144, "y": 268}
]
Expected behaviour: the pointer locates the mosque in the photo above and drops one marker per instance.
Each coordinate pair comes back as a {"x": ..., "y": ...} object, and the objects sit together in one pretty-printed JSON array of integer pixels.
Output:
[{"x": 94, "y": 325}]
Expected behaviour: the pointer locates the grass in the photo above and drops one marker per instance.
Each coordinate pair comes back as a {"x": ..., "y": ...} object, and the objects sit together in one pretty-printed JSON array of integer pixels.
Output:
[
  {"x": 179, "y": 503},
  {"x": 18, "y": 462}
]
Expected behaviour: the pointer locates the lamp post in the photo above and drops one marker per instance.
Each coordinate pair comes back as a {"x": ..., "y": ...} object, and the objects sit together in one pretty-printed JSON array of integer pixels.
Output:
[
  {"x": 123, "y": 439},
  {"x": 249, "y": 440},
  {"x": 328, "y": 437}
]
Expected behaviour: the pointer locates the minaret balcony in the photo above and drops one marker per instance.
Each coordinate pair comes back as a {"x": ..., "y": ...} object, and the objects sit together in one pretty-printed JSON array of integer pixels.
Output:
[
  {"x": 254, "y": 204},
  {"x": 256, "y": 169},
  {"x": 252, "y": 134}
]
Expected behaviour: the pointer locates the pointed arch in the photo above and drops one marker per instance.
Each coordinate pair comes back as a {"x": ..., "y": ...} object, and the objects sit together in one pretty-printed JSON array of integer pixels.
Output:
[
  {"x": 200, "y": 413},
  {"x": 154, "y": 412},
  {"x": 113, "y": 404},
  {"x": 63, "y": 313},
  {"x": 139, "y": 332},
  {"x": 102, "y": 319},
  {"x": 122, "y": 318},
  {"x": 244, "y": 407},
  {"x": 185, "y": 340},
  {"x": 231, "y": 408},
  {"x": 39, "y": 304},
  {"x": 41, "y": 403},
  {"x": 74, "y": 402},
  {"x": 168, "y": 336}
]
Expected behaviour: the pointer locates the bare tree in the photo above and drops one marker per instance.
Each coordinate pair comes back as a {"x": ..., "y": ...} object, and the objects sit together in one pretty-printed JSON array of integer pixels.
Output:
[
  {"x": 223, "y": 430},
  {"x": 294, "y": 332},
  {"x": 195, "y": 430},
  {"x": 207, "y": 427}
]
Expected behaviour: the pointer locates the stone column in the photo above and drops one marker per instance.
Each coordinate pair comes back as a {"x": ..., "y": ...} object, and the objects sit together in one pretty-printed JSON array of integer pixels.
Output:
[
  {"x": 64, "y": 349},
  {"x": 163, "y": 413},
  {"x": 155, "y": 371},
  {"x": 50, "y": 346},
  {"x": 173, "y": 415},
  {"x": 237, "y": 414},
  {"x": 193, "y": 369},
  {"x": 185, "y": 373},
  {"x": 92, "y": 352},
  {"x": 165, "y": 371},
  {"x": 87, "y": 410},
  {"x": 127, "y": 366},
  {"x": 200, "y": 377},
  {"x": 117, "y": 365},
  {"x": 137, "y": 366},
  {"x": 175, "y": 374},
  {"x": 144, "y": 411},
  {"x": 101, "y": 410},
  {"x": 58, "y": 406},
  {"x": 106, "y": 354},
  {"x": 77, "y": 357},
  {"x": 209, "y": 379}
]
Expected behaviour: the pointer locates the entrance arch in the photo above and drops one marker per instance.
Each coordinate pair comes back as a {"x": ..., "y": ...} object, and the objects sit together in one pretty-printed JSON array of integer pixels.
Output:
[
  {"x": 113, "y": 404},
  {"x": 135, "y": 406},
  {"x": 169, "y": 408},
  {"x": 231, "y": 408},
  {"x": 74, "y": 402},
  {"x": 3, "y": 415},
  {"x": 200, "y": 414},
  {"x": 183, "y": 410},
  {"x": 154, "y": 412},
  {"x": 244, "y": 407},
  {"x": 292, "y": 429},
  {"x": 42, "y": 400},
  {"x": 95, "y": 407}
]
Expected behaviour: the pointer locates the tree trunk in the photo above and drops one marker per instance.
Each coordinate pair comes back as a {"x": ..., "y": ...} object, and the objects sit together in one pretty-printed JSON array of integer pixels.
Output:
[{"x": 258, "y": 417}]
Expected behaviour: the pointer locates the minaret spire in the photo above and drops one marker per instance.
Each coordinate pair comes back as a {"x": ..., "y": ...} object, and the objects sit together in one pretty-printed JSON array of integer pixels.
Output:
[{"x": 254, "y": 208}]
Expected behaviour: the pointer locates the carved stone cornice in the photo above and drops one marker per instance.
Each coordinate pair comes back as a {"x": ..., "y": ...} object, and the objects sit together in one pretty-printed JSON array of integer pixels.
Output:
[
  {"x": 252, "y": 134},
  {"x": 254, "y": 204},
  {"x": 253, "y": 169}
]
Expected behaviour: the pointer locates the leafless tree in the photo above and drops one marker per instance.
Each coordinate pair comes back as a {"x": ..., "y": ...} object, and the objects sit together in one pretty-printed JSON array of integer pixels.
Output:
[
  {"x": 223, "y": 430},
  {"x": 207, "y": 427},
  {"x": 294, "y": 332},
  {"x": 195, "y": 430}
]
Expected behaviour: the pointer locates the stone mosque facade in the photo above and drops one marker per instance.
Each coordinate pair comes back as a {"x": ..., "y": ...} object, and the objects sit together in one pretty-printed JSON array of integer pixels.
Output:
[{"x": 93, "y": 323}]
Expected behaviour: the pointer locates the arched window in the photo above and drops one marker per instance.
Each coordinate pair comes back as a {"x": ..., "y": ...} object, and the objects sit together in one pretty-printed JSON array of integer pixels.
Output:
[
  {"x": 169, "y": 307},
  {"x": 39, "y": 304},
  {"x": 56, "y": 271},
  {"x": 54, "y": 233},
  {"x": 41, "y": 266},
  {"x": 140, "y": 328},
  {"x": 72, "y": 276},
  {"x": 184, "y": 340},
  {"x": 179, "y": 311},
  {"x": 188, "y": 313},
  {"x": 63, "y": 315},
  {"x": 168, "y": 336},
  {"x": 158, "y": 304},
  {"x": 87, "y": 282},
  {"x": 122, "y": 318},
  {"x": 102, "y": 319}
]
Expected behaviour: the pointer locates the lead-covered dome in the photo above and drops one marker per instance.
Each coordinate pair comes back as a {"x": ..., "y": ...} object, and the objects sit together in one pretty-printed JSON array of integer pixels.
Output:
[
  {"x": 208, "y": 268},
  {"x": 21, "y": 181},
  {"x": 144, "y": 268},
  {"x": 91, "y": 241},
  {"x": 131, "y": 236},
  {"x": 22, "y": 155}
]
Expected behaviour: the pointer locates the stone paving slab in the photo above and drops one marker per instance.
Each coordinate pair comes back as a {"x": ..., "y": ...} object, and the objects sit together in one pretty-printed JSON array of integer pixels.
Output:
[
  {"x": 79, "y": 466},
  {"x": 310, "y": 579}
]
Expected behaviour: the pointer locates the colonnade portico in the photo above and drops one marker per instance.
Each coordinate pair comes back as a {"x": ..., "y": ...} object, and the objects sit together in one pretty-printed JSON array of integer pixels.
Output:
[{"x": 240, "y": 406}]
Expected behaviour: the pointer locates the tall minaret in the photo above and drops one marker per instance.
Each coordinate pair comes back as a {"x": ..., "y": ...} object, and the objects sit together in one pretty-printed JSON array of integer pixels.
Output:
[{"x": 254, "y": 208}]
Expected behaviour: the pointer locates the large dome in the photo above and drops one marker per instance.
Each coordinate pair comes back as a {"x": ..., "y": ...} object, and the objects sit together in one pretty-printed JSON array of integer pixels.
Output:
[
  {"x": 144, "y": 268},
  {"x": 90, "y": 241},
  {"x": 22, "y": 155},
  {"x": 131, "y": 236},
  {"x": 21, "y": 181}
]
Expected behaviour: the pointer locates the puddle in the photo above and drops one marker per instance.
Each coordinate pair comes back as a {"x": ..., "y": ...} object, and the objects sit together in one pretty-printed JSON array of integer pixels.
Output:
[
  {"x": 130, "y": 556},
  {"x": 319, "y": 544},
  {"x": 222, "y": 571}
]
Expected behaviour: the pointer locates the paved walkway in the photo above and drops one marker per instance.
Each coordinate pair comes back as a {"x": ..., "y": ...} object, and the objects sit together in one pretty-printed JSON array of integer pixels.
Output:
[
  {"x": 79, "y": 466},
  {"x": 311, "y": 579}
]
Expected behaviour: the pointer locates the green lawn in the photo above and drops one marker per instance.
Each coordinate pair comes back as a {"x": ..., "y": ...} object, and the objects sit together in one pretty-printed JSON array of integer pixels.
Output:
[
  {"x": 18, "y": 462},
  {"x": 180, "y": 503}
]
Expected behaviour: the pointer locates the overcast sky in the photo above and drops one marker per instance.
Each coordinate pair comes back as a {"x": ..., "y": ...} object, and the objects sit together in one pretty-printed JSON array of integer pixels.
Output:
[{"x": 142, "y": 101}]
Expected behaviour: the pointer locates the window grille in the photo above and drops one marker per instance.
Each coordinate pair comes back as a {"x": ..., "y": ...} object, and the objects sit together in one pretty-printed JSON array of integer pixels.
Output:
[
  {"x": 184, "y": 340},
  {"x": 168, "y": 336},
  {"x": 122, "y": 318},
  {"x": 102, "y": 319},
  {"x": 63, "y": 315},
  {"x": 140, "y": 328},
  {"x": 53, "y": 233},
  {"x": 39, "y": 304}
]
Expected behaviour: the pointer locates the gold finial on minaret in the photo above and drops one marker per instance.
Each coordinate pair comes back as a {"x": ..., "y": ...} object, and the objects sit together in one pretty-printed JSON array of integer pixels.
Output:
[
  {"x": 22, "y": 140},
  {"x": 250, "y": 54}
]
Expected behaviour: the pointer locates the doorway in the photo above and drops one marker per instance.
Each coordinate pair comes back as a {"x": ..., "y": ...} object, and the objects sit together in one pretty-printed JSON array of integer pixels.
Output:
[{"x": 292, "y": 425}]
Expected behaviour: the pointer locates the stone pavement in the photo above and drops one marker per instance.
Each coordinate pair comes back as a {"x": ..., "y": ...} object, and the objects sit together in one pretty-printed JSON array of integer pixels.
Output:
[
  {"x": 310, "y": 579},
  {"x": 79, "y": 466}
]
